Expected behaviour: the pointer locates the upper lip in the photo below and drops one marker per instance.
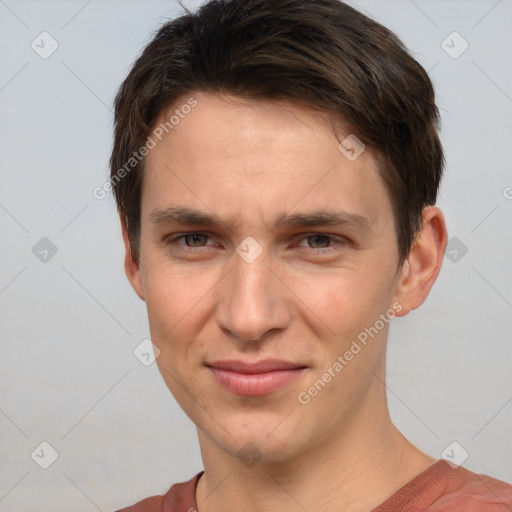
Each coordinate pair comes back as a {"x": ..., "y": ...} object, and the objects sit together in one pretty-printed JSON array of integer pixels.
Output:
[{"x": 267, "y": 365}]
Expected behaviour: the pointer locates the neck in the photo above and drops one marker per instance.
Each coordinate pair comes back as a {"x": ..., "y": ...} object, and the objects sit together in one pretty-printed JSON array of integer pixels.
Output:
[{"x": 354, "y": 469}]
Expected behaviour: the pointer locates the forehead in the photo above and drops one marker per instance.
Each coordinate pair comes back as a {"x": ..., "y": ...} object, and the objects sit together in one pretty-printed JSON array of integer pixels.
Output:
[
  {"x": 228, "y": 124},
  {"x": 249, "y": 160}
]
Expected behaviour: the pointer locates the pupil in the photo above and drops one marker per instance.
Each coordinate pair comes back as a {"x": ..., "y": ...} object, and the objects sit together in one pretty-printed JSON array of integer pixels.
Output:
[
  {"x": 320, "y": 237},
  {"x": 194, "y": 237}
]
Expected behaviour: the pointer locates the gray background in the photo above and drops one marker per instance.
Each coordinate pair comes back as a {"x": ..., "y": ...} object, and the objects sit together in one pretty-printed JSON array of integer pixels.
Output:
[{"x": 69, "y": 325}]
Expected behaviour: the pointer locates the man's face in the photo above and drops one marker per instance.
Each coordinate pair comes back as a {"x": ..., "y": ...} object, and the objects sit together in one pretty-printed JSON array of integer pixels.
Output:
[{"x": 293, "y": 292}]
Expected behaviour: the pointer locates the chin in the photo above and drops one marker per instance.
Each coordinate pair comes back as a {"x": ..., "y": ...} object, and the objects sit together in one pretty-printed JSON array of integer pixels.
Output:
[{"x": 254, "y": 448}]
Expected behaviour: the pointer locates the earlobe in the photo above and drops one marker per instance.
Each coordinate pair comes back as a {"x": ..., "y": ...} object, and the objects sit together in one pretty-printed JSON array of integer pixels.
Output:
[
  {"x": 131, "y": 266},
  {"x": 423, "y": 265}
]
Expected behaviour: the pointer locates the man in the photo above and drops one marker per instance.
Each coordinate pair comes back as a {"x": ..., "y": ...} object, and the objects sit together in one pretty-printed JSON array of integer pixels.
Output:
[{"x": 276, "y": 165}]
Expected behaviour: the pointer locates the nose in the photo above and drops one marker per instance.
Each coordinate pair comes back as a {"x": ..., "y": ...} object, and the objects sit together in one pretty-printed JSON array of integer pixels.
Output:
[{"x": 253, "y": 301}]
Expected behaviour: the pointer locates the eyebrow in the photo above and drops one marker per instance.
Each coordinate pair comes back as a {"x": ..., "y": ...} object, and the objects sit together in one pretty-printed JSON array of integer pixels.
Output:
[{"x": 315, "y": 218}]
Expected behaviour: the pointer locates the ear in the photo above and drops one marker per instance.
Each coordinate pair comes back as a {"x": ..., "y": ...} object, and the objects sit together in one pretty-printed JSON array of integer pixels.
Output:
[
  {"x": 422, "y": 267},
  {"x": 131, "y": 266}
]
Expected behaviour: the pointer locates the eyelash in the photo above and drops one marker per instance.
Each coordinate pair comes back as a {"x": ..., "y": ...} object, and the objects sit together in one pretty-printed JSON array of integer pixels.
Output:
[{"x": 184, "y": 248}]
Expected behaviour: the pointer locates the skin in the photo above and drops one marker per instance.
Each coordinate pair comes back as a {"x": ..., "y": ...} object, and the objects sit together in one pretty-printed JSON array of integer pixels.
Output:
[{"x": 245, "y": 163}]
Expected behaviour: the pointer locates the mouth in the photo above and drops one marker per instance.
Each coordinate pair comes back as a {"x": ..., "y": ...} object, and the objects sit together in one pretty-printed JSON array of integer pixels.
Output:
[{"x": 255, "y": 379}]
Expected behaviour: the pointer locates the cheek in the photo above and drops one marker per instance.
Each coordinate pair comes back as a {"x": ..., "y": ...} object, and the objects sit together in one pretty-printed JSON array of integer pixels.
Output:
[
  {"x": 343, "y": 302},
  {"x": 167, "y": 305},
  {"x": 170, "y": 293},
  {"x": 178, "y": 307}
]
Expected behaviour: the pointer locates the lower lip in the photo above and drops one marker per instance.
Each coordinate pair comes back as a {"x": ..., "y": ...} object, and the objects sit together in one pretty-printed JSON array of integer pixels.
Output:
[{"x": 254, "y": 384}]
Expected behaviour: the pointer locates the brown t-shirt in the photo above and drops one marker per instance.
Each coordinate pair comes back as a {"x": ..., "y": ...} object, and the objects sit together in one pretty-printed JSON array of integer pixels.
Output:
[{"x": 440, "y": 488}]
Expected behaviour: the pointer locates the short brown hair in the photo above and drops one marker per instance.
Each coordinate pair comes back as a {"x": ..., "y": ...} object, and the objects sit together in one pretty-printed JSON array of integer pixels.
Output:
[{"x": 317, "y": 53}]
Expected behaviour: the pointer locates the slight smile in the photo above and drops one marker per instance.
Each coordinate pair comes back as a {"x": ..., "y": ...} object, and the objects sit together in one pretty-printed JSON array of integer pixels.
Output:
[{"x": 254, "y": 379}]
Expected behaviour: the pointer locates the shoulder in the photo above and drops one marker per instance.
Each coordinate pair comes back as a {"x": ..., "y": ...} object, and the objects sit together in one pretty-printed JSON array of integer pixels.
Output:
[
  {"x": 465, "y": 490},
  {"x": 152, "y": 504},
  {"x": 179, "y": 498},
  {"x": 445, "y": 488}
]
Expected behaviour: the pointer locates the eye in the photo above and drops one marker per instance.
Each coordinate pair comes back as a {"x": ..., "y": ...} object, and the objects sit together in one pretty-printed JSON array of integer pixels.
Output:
[
  {"x": 320, "y": 242},
  {"x": 194, "y": 242},
  {"x": 193, "y": 239}
]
